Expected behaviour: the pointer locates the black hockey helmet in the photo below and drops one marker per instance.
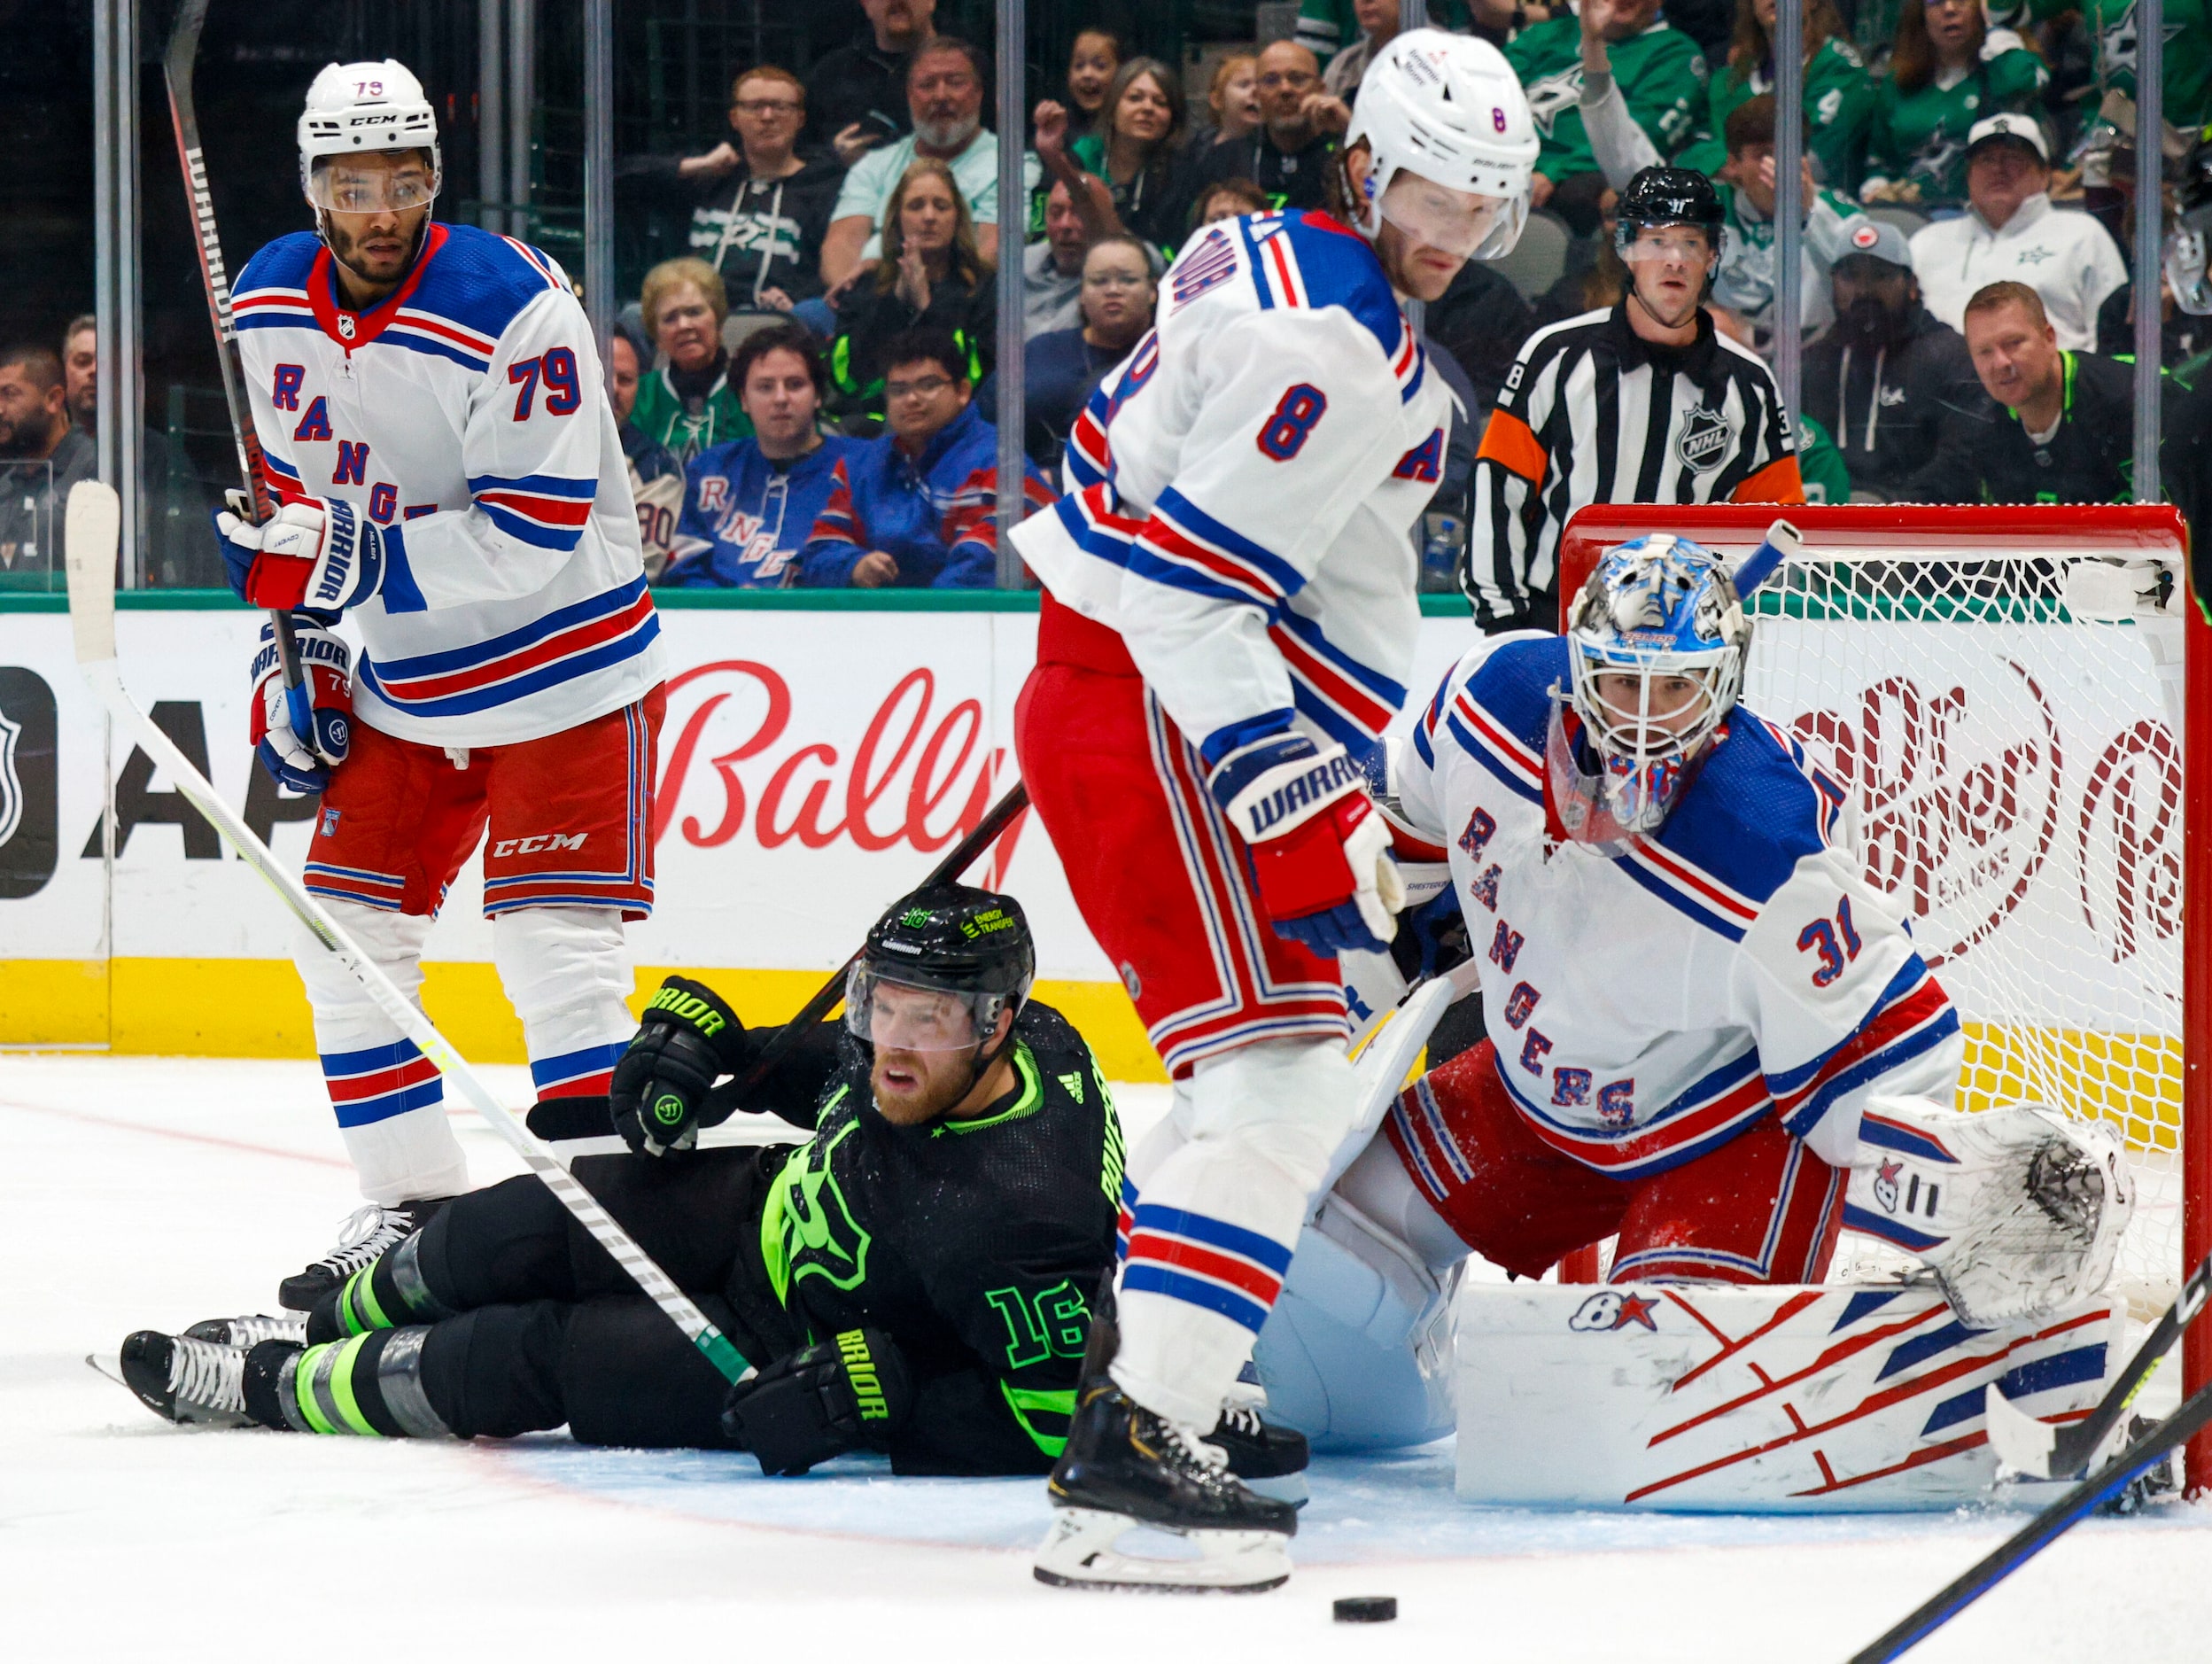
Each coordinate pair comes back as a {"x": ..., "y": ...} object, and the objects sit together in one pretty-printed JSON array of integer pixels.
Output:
[
  {"x": 1671, "y": 196},
  {"x": 971, "y": 943}
]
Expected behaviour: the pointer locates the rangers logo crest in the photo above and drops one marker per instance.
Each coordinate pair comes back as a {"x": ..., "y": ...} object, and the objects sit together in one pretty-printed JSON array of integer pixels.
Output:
[{"x": 1704, "y": 440}]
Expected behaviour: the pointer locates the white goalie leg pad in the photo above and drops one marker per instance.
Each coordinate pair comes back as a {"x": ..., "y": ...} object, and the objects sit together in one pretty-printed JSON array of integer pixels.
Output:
[
  {"x": 411, "y": 1154},
  {"x": 2018, "y": 1210},
  {"x": 1079, "y": 1551},
  {"x": 1216, "y": 1221},
  {"x": 567, "y": 972},
  {"x": 1357, "y": 1353}
]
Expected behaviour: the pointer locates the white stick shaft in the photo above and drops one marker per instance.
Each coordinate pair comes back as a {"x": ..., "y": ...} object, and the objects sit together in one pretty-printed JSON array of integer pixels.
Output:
[{"x": 107, "y": 680}]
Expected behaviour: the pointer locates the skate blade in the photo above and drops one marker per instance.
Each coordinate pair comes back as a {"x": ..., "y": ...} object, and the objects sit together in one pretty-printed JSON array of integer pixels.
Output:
[
  {"x": 1290, "y": 1488},
  {"x": 106, "y": 1372},
  {"x": 1079, "y": 1552}
]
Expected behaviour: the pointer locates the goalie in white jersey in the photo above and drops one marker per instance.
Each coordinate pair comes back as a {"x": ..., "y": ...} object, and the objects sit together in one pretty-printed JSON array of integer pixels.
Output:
[
  {"x": 1229, "y": 615},
  {"x": 1706, "y": 1034},
  {"x": 430, "y": 405}
]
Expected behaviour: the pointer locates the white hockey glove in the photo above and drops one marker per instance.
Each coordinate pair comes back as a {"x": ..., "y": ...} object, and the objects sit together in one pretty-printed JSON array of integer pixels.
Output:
[
  {"x": 1320, "y": 854},
  {"x": 2018, "y": 1211},
  {"x": 317, "y": 554},
  {"x": 302, "y": 762}
]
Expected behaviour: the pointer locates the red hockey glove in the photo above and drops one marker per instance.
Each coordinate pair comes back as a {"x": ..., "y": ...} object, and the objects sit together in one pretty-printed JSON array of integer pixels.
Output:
[{"x": 1320, "y": 854}]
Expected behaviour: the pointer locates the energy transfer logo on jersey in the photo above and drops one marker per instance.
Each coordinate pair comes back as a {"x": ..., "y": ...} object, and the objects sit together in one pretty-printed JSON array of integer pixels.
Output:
[{"x": 1704, "y": 440}]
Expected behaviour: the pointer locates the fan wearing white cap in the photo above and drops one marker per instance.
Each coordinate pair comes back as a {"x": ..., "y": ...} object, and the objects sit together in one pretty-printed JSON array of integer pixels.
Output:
[
  {"x": 429, "y": 403},
  {"x": 1229, "y": 624},
  {"x": 2012, "y": 234}
]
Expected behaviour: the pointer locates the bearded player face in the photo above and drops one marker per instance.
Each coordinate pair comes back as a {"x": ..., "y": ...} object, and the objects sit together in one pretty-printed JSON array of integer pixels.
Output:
[{"x": 374, "y": 206}]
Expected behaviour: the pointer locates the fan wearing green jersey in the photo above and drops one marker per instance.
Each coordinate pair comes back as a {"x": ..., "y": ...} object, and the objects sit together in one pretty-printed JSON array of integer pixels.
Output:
[
  {"x": 1839, "y": 96},
  {"x": 1658, "y": 70},
  {"x": 1948, "y": 70}
]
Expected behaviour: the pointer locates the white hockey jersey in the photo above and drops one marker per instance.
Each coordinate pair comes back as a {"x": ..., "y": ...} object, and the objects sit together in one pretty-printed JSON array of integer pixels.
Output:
[
  {"x": 465, "y": 415},
  {"x": 1242, "y": 489},
  {"x": 1648, "y": 1007}
]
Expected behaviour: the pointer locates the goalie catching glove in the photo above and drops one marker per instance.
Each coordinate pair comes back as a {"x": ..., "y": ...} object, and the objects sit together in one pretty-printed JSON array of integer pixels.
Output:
[
  {"x": 687, "y": 1040},
  {"x": 1320, "y": 854},
  {"x": 2018, "y": 1211},
  {"x": 820, "y": 1402},
  {"x": 303, "y": 762},
  {"x": 310, "y": 552}
]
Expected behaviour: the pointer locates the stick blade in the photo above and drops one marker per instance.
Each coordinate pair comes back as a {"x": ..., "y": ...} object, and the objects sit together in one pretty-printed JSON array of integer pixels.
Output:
[
  {"x": 2023, "y": 1444},
  {"x": 92, "y": 532}
]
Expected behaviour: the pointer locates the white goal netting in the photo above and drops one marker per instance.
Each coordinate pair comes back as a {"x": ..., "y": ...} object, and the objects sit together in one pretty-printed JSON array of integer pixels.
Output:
[{"x": 2016, "y": 776}]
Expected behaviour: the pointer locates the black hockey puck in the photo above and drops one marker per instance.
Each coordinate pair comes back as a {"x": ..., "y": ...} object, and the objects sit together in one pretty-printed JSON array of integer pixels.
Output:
[{"x": 1366, "y": 1609}]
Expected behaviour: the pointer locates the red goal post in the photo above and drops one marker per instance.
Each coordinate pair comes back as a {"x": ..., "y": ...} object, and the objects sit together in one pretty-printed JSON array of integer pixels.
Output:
[{"x": 1880, "y": 628}]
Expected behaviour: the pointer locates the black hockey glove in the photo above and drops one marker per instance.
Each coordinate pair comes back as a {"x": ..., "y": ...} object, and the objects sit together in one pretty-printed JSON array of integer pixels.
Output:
[
  {"x": 820, "y": 1402},
  {"x": 689, "y": 1038},
  {"x": 1431, "y": 938}
]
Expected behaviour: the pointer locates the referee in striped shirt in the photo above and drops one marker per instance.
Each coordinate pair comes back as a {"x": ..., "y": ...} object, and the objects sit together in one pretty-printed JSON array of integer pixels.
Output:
[{"x": 1644, "y": 403}]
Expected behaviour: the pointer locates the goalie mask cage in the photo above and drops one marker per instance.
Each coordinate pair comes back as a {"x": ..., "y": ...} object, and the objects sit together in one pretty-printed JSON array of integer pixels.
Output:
[{"x": 2025, "y": 791}]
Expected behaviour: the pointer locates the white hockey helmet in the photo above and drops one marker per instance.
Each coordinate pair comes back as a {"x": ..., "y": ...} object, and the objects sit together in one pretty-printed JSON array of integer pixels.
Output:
[
  {"x": 353, "y": 109},
  {"x": 1449, "y": 109}
]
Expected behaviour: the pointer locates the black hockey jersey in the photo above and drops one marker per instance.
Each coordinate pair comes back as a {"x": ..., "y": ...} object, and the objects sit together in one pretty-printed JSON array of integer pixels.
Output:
[{"x": 975, "y": 1245}]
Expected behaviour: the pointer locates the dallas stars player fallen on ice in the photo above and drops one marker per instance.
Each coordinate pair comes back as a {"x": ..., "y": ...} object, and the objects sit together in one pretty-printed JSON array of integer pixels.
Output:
[
  {"x": 1704, "y": 1030},
  {"x": 914, "y": 1279}
]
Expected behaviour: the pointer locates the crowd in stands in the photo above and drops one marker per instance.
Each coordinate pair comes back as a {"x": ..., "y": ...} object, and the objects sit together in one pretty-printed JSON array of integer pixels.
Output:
[
  {"x": 829, "y": 341},
  {"x": 820, "y": 373}
]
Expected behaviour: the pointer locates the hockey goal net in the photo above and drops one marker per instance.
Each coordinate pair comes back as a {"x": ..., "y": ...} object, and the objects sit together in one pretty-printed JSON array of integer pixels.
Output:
[{"x": 2012, "y": 734}]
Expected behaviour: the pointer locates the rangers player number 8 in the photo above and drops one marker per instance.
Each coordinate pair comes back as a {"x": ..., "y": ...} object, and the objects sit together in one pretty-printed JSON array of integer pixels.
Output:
[{"x": 1285, "y": 434}]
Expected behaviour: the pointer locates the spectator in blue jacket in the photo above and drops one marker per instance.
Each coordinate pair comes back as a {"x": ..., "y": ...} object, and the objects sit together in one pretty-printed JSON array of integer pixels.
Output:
[
  {"x": 916, "y": 508},
  {"x": 750, "y": 504}
]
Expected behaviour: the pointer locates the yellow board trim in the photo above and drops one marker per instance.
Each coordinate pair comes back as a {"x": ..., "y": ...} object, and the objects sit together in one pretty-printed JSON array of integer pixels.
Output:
[{"x": 250, "y": 1007}]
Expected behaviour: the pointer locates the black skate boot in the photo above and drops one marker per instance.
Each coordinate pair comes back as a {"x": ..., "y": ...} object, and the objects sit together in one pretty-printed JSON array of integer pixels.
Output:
[
  {"x": 1125, "y": 1467},
  {"x": 187, "y": 1381},
  {"x": 367, "y": 1234},
  {"x": 250, "y": 1331},
  {"x": 1270, "y": 1460}
]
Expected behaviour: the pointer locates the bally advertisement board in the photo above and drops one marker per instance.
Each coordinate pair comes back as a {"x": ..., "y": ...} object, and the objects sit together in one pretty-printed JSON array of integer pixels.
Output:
[{"x": 816, "y": 760}]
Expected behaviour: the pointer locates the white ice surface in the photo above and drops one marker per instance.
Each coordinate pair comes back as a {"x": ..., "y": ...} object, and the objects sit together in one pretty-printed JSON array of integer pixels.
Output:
[{"x": 152, "y": 1191}]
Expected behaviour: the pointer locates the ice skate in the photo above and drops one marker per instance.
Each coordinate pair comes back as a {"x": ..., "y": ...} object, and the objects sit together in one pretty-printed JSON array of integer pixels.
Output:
[
  {"x": 365, "y": 1236},
  {"x": 1268, "y": 1458},
  {"x": 189, "y": 1381},
  {"x": 1126, "y": 1468},
  {"x": 250, "y": 1330}
]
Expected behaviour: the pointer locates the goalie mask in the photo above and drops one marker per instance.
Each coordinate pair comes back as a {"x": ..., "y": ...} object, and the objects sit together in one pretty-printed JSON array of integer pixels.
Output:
[
  {"x": 939, "y": 971},
  {"x": 1657, "y": 640}
]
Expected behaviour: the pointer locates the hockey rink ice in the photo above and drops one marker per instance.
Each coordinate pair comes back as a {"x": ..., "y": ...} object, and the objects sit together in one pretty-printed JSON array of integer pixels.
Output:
[{"x": 151, "y": 1192}]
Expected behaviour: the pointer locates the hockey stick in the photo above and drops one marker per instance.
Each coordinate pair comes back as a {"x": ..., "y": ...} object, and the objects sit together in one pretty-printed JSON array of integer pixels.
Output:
[
  {"x": 2038, "y": 1533},
  {"x": 962, "y": 857},
  {"x": 176, "y": 71},
  {"x": 93, "y": 526},
  {"x": 2040, "y": 1450},
  {"x": 1783, "y": 540}
]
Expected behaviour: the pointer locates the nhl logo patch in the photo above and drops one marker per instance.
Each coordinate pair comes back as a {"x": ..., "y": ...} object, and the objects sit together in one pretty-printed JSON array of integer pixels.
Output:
[
  {"x": 345, "y": 325},
  {"x": 1704, "y": 440}
]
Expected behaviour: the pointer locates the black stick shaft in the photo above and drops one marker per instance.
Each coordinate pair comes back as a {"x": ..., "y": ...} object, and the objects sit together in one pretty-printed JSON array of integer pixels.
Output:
[
  {"x": 176, "y": 73},
  {"x": 962, "y": 857},
  {"x": 2039, "y": 1533}
]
